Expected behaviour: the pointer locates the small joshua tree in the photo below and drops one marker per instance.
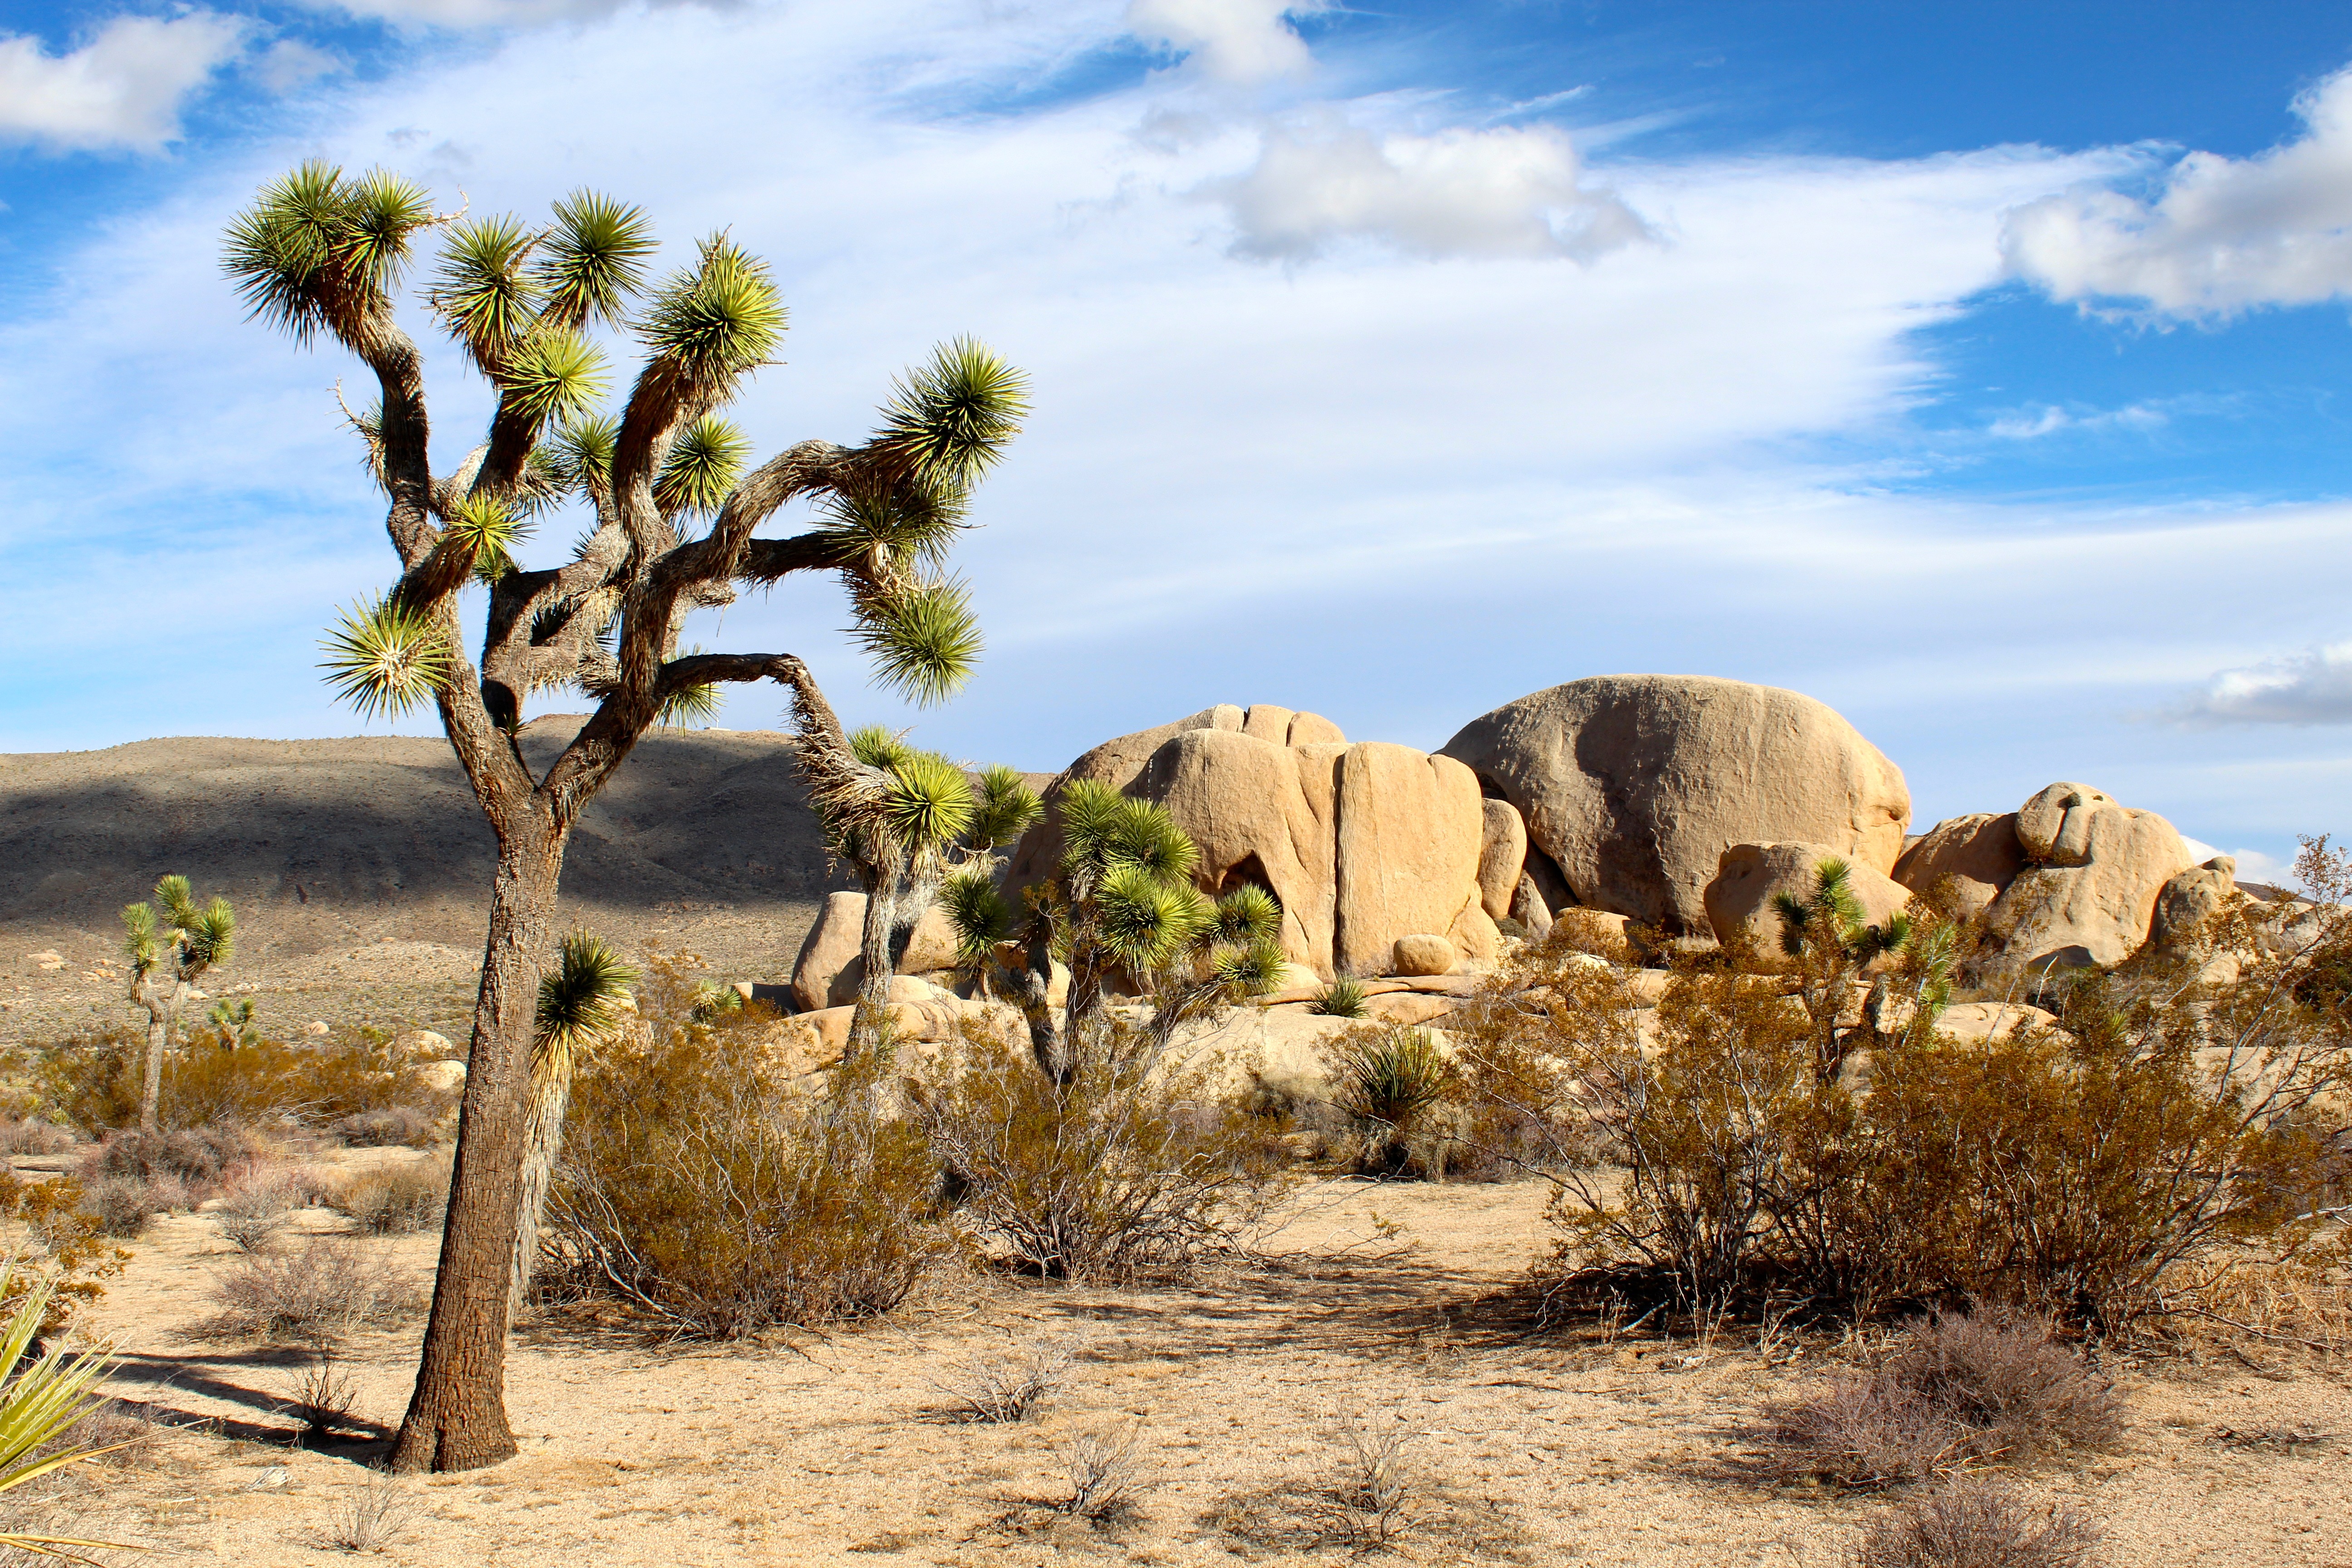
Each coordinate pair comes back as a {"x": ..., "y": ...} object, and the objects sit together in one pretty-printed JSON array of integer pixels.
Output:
[
  {"x": 168, "y": 951},
  {"x": 1824, "y": 934},
  {"x": 904, "y": 819},
  {"x": 1122, "y": 898},
  {"x": 673, "y": 508},
  {"x": 581, "y": 1005}
]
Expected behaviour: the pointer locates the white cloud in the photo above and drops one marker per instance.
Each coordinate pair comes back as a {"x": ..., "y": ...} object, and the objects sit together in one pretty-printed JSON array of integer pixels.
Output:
[
  {"x": 2223, "y": 235},
  {"x": 124, "y": 89},
  {"x": 2048, "y": 419},
  {"x": 1236, "y": 41},
  {"x": 289, "y": 63},
  {"x": 1515, "y": 191},
  {"x": 2254, "y": 865},
  {"x": 2314, "y": 687},
  {"x": 472, "y": 14}
]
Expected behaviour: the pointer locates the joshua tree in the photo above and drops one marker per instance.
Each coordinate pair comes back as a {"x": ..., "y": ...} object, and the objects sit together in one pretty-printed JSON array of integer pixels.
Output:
[
  {"x": 1824, "y": 933},
  {"x": 673, "y": 515},
  {"x": 167, "y": 954},
  {"x": 1122, "y": 898},
  {"x": 903, "y": 819},
  {"x": 580, "y": 1004}
]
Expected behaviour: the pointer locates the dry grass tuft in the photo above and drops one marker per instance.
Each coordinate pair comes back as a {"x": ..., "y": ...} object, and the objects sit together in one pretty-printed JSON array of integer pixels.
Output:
[
  {"x": 1105, "y": 1468},
  {"x": 1961, "y": 1393},
  {"x": 1374, "y": 1488},
  {"x": 998, "y": 1392},
  {"x": 1973, "y": 1524},
  {"x": 396, "y": 1200},
  {"x": 256, "y": 1211},
  {"x": 370, "y": 1518},
  {"x": 325, "y": 1399},
  {"x": 318, "y": 1295}
]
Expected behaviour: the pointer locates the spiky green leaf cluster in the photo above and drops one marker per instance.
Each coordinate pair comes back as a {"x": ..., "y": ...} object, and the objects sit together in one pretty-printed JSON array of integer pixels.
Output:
[
  {"x": 1343, "y": 998},
  {"x": 978, "y": 913},
  {"x": 923, "y": 642},
  {"x": 1006, "y": 809},
  {"x": 481, "y": 291},
  {"x": 317, "y": 250},
  {"x": 174, "y": 928},
  {"x": 1103, "y": 829},
  {"x": 910, "y": 524},
  {"x": 46, "y": 1396},
  {"x": 690, "y": 708},
  {"x": 1143, "y": 921},
  {"x": 488, "y": 530},
  {"x": 592, "y": 259},
  {"x": 927, "y": 805},
  {"x": 1387, "y": 1079},
  {"x": 140, "y": 943},
  {"x": 949, "y": 419},
  {"x": 581, "y": 999},
  {"x": 703, "y": 465},
  {"x": 715, "y": 321},
  {"x": 385, "y": 659},
  {"x": 581, "y": 452}
]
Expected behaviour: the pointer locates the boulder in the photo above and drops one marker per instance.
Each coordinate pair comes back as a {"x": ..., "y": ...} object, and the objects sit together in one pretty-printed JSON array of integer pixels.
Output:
[
  {"x": 2090, "y": 897},
  {"x": 1243, "y": 803},
  {"x": 1411, "y": 828},
  {"x": 1502, "y": 858},
  {"x": 1979, "y": 852},
  {"x": 447, "y": 1077},
  {"x": 1635, "y": 785},
  {"x": 1119, "y": 761},
  {"x": 1410, "y": 1008},
  {"x": 1989, "y": 1020},
  {"x": 1422, "y": 953},
  {"x": 2190, "y": 900},
  {"x": 830, "y": 967},
  {"x": 425, "y": 1043},
  {"x": 1594, "y": 931},
  {"x": 1528, "y": 908},
  {"x": 1750, "y": 876}
]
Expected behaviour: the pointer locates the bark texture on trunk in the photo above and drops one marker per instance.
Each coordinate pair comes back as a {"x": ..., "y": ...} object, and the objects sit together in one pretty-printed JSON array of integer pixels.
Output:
[
  {"x": 550, "y": 1097},
  {"x": 151, "y": 1087},
  {"x": 456, "y": 1417}
]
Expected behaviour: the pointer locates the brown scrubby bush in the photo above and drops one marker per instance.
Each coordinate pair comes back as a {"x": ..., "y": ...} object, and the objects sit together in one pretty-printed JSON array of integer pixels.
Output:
[
  {"x": 700, "y": 1182},
  {"x": 1973, "y": 1525},
  {"x": 315, "y": 1295},
  {"x": 47, "y": 1224},
  {"x": 2174, "y": 1117},
  {"x": 1129, "y": 1166},
  {"x": 396, "y": 1200},
  {"x": 1960, "y": 1392},
  {"x": 224, "y": 1078}
]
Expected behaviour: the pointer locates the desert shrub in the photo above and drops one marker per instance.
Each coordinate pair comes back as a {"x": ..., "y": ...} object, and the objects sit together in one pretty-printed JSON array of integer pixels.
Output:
[
  {"x": 92, "y": 1082},
  {"x": 997, "y": 1392},
  {"x": 1961, "y": 1391},
  {"x": 65, "y": 1249},
  {"x": 124, "y": 1206},
  {"x": 317, "y": 1294},
  {"x": 2166, "y": 1123},
  {"x": 699, "y": 1182},
  {"x": 1973, "y": 1525},
  {"x": 1120, "y": 1169},
  {"x": 255, "y": 1210},
  {"x": 1343, "y": 998},
  {"x": 370, "y": 1518},
  {"x": 396, "y": 1200},
  {"x": 1105, "y": 1470},
  {"x": 1387, "y": 1079},
  {"x": 391, "y": 1127},
  {"x": 199, "y": 1157},
  {"x": 28, "y": 1135},
  {"x": 1374, "y": 1486}
]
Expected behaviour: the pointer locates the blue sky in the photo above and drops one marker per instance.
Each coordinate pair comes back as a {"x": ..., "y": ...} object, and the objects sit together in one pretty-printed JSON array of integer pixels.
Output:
[{"x": 1979, "y": 370}]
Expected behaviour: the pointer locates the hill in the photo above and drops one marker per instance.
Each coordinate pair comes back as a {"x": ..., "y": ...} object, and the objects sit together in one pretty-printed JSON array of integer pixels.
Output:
[{"x": 361, "y": 868}]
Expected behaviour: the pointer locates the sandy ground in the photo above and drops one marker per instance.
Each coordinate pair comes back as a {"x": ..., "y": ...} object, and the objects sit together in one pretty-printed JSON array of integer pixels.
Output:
[{"x": 836, "y": 1449}]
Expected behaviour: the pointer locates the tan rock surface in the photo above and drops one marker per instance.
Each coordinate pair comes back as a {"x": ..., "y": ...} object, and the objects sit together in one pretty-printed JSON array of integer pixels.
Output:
[
  {"x": 1410, "y": 827},
  {"x": 1750, "y": 876},
  {"x": 2094, "y": 902},
  {"x": 1423, "y": 953},
  {"x": 1635, "y": 785},
  {"x": 1239, "y": 799},
  {"x": 1502, "y": 858},
  {"x": 1979, "y": 852},
  {"x": 2190, "y": 898}
]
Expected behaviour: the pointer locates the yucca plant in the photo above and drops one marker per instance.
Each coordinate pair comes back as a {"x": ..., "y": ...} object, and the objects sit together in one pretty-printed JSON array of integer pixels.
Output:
[
  {"x": 42, "y": 1399},
  {"x": 170, "y": 944},
  {"x": 1343, "y": 998},
  {"x": 1123, "y": 900},
  {"x": 583, "y": 1001},
  {"x": 672, "y": 498},
  {"x": 1828, "y": 944},
  {"x": 1384, "y": 1080}
]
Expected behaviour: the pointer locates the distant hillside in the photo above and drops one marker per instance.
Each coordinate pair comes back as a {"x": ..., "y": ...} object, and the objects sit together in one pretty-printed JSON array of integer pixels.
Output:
[{"x": 361, "y": 868}]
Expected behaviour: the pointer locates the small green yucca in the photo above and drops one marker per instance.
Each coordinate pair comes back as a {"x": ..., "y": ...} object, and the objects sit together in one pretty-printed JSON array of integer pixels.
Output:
[
  {"x": 42, "y": 1401},
  {"x": 1342, "y": 999}
]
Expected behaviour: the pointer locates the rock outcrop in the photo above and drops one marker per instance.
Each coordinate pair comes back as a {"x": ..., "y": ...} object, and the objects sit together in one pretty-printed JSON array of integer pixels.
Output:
[
  {"x": 1749, "y": 876},
  {"x": 2190, "y": 900},
  {"x": 2088, "y": 893},
  {"x": 831, "y": 966},
  {"x": 1502, "y": 858},
  {"x": 1979, "y": 852},
  {"x": 1634, "y": 785},
  {"x": 1360, "y": 842}
]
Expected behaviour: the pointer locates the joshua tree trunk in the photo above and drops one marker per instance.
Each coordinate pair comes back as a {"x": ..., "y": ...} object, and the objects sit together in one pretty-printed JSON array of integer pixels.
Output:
[
  {"x": 159, "y": 1033},
  {"x": 457, "y": 1419},
  {"x": 550, "y": 1097},
  {"x": 875, "y": 948}
]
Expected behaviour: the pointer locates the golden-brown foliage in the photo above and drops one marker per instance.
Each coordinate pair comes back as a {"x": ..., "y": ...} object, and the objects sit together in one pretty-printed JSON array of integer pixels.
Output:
[
  {"x": 706, "y": 1187},
  {"x": 45, "y": 1221},
  {"x": 92, "y": 1082}
]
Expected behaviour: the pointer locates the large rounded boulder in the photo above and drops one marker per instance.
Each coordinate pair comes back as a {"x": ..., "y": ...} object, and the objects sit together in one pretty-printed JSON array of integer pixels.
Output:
[
  {"x": 1634, "y": 785},
  {"x": 1743, "y": 901},
  {"x": 2088, "y": 893},
  {"x": 1979, "y": 853}
]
